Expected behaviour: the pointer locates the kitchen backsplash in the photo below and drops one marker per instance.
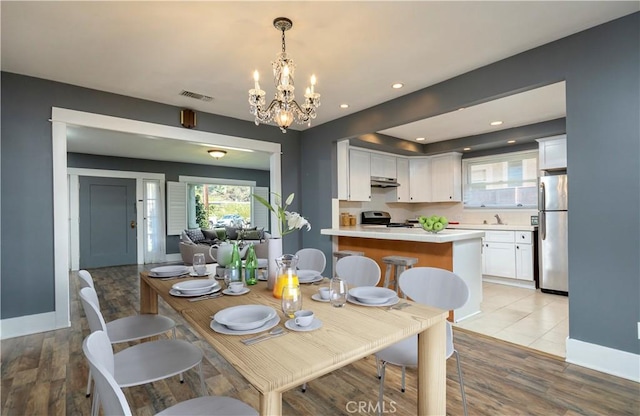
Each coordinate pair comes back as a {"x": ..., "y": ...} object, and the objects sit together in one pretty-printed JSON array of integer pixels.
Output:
[{"x": 453, "y": 211}]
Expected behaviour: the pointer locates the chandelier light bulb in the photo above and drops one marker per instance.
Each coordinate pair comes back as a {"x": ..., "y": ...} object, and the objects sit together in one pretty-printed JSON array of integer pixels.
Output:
[
  {"x": 313, "y": 82},
  {"x": 256, "y": 78}
]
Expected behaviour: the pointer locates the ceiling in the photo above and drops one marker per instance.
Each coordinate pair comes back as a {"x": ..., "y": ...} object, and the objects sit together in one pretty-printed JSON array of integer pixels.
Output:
[{"x": 156, "y": 50}]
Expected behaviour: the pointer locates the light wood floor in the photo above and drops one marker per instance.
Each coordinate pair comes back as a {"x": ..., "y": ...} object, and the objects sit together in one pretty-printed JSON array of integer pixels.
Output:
[{"x": 45, "y": 374}]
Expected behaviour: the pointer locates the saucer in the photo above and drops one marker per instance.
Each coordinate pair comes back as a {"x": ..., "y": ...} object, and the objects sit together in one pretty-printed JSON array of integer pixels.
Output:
[
  {"x": 318, "y": 298},
  {"x": 315, "y": 324},
  {"x": 194, "y": 274},
  {"x": 242, "y": 292}
]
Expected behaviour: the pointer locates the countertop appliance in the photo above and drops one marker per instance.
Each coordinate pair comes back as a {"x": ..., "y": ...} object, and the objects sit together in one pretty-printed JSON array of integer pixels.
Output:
[
  {"x": 553, "y": 234},
  {"x": 380, "y": 218}
]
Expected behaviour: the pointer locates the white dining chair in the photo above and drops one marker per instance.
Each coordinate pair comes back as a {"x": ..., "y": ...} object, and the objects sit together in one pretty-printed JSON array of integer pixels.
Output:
[
  {"x": 97, "y": 348},
  {"x": 311, "y": 259},
  {"x": 129, "y": 328},
  {"x": 145, "y": 362},
  {"x": 433, "y": 287},
  {"x": 358, "y": 271}
]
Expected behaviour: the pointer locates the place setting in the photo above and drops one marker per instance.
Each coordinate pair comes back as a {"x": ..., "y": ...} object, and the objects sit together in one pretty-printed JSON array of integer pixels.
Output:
[
  {"x": 372, "y": 296},
  {"x": 236, "y": 289},
  {"x": 323, "y": 295},
  {"x": 195, "y": 288},
  {"x": 301, "y": 320},
  {"x": 309, "y": 276},
  {"x": 244, "y": 320},
  {"x": 169, "y": 272}
]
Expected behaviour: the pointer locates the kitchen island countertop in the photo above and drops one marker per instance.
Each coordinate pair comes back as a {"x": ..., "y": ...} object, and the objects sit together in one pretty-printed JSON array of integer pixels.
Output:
[{"x": 405, "y": 234}]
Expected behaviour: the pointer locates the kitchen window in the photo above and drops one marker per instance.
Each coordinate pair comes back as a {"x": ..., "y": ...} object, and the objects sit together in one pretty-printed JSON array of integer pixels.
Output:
[{"x": 501, "y": 181}]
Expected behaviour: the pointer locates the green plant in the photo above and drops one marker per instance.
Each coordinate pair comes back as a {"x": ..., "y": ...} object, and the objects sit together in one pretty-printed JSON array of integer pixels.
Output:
[{"x": 288, "y": 222}]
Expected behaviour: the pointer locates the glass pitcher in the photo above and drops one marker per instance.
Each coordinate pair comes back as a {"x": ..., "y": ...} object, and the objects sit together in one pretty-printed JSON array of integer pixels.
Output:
[{"x": 287, "y": 273}]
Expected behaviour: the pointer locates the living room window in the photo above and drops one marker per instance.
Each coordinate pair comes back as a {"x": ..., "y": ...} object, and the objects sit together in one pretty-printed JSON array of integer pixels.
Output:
[{"x": 501, "y": 181}]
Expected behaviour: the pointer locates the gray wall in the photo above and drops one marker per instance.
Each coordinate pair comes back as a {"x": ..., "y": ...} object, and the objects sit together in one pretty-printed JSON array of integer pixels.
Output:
[
  {"x": 172, "y": 172},
  {"x": 601, "y": 67},
  {"x": 26, "y": 171}
]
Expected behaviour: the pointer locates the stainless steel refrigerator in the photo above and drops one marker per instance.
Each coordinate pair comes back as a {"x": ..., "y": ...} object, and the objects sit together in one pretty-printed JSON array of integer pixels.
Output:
[{"x": 553, "y": 234}]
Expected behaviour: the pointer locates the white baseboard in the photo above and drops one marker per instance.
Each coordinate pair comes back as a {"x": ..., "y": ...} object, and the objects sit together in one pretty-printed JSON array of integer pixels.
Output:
[
  {"x": 30, "y": 324},
  {"x": 525, "y": 284},
  {"x": 607, "y": 360}
]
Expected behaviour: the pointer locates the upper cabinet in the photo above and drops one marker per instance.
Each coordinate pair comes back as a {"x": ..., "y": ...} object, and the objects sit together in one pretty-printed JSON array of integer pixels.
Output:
[
  {"x": 552, "y": 152},
  {"x": 446, "y": 175},
  {"x": 383, "y": 166},
  {"x": 359, "y": 175},
  {"x": 401, "y": 193},
  {"x": 419, "y": 179}
]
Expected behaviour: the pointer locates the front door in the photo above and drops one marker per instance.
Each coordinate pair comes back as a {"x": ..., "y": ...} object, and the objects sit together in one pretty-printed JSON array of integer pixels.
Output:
[{"x": 107, "y": 222}]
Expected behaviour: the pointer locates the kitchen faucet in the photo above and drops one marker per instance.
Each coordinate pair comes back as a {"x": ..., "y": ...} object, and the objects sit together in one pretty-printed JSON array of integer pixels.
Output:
[{"x": 498, "y": 219}]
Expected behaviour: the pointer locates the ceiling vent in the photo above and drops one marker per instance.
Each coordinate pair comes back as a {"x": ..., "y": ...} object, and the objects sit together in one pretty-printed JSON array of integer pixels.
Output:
[{"x": 196, "y": 96}]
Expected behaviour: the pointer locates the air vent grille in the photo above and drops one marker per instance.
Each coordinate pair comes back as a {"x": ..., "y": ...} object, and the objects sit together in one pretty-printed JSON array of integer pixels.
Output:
[{"x": 196, "y": 96}]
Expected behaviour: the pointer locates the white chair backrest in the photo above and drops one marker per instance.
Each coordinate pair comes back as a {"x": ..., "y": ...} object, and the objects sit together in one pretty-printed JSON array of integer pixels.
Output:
[
  {"x": 97, "y": 348},
  {"x": 311, "y": 259},
  {"x": 358, "y": 271},
  {"x": 85, "y": 279},
  {"x": 89, "y": 299},
  {"x": 434, "y": 287}
]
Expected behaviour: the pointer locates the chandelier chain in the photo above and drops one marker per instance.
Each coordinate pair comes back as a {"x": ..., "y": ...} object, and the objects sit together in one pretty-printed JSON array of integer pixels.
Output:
[{"x": 284, "y": 48}]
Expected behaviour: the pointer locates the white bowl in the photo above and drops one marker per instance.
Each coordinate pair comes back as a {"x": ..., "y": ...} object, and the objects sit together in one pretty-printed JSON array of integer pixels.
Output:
[
  {"x": 372, "y": 294},
  {"x": 244, "y": 317},
  {"x": 193, "y": 287},
  {"x": 307, "y": 275},
  {"x": 169, "y": 271}
]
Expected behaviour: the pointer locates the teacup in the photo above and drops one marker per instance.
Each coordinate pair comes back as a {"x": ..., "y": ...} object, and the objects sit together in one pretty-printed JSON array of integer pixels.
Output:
[
  {"x": 303, "y": 318},
  {"x": 236, "y": 287},
  {"x": 324, "y": 293}
]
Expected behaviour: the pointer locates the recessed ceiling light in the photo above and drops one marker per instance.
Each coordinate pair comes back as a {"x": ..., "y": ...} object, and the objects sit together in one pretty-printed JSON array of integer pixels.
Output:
[
  {"x": 511, "y": 141},
  {"x": 461, "y": 108},
  {"x": 344, "y": 105},
  {"x": 496, "y": 123},
  {"x": 397, "y": 85},
  {"x": 420, "y": 139},
  {"x": 467, "y": 148}
]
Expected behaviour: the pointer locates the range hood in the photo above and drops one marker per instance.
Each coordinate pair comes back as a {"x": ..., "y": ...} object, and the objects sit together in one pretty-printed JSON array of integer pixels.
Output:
[{"x": 379, "y": 182}]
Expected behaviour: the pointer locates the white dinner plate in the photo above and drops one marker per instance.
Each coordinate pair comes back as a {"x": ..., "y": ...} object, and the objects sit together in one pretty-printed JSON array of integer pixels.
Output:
[
  {"x": 168, "y": 271},
  {"x": 306, "y": 276},
  {"x": 244, "y": 317},
  {"x": 372, "y": 295},
  {"x": 390, "y": 302},
  {"x": 194, "y": 274},
  {"x": 195, "y": 286},
  {"x": 242, "y": 292},
  {"x": 179, "y": 294},
  {"x": 318, "y": 278},
  {"x": 315, "y": 324},
  {"x": 221, "y": 329},
  {"x": 318, "y": 298}
]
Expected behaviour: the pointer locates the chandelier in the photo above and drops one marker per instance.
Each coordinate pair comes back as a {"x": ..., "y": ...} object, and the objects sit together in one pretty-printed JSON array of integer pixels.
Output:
[{"x": 283, "y": 109}]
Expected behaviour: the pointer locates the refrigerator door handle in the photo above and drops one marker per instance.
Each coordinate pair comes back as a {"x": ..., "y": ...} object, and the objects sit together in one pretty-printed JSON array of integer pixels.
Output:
[
  {"x": 543, "y": 199},
  {"x": 543, "y": 225}
]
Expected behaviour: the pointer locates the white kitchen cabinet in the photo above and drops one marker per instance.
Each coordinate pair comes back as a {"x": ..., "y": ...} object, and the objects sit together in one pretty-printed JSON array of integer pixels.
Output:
[
  {"x": 499, "y": 259},
  {"x": 383, "y": 166},
  {"x": 359, "y": 175},
  {"x": 524, "y": 255},
  {"x": 508, "y": 254},
  {"x": 400, "y": 193},
  {"x": 446, "y": 172},
  {"x": 342, "y": 158},
  {"x": 552, "y": 152},
  {"x": 419, "y": 181}
]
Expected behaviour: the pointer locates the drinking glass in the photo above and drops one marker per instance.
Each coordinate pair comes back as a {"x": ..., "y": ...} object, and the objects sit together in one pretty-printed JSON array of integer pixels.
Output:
[
  {"x": 199, "y": 264},
  {"x": 338, "y": 292},
  {"x": 291, "y": 300}
]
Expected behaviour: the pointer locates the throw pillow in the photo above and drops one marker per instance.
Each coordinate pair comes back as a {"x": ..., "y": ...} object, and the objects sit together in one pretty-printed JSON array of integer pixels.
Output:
[
  {"x": 254, "y": 234},
  {"x": 232, "y": 233},
  {"x": 195, "y": 234},
  {"x": 184, "y": 238},
  {"x": 210, "y": 234}
]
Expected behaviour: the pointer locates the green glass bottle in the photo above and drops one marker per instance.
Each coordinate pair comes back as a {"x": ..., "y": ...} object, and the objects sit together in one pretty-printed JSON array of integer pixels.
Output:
[
  {"x": 234, "y": 269},
  {"x": 250, "y": 267}
]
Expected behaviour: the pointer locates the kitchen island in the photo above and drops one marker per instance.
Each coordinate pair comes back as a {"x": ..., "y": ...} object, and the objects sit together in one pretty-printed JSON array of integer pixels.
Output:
[{"x": 456, "y": 250}]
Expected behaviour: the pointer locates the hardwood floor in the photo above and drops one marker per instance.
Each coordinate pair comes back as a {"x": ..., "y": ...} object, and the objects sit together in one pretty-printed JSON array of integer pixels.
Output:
[{"x": 45, "y": 374}]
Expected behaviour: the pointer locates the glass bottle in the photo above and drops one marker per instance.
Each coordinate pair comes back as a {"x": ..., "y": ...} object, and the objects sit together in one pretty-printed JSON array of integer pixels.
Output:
[
  {"x": 251, "y": 267},
  {"x": 287, "y": 273},
  {"x": 234, "y": 269}
]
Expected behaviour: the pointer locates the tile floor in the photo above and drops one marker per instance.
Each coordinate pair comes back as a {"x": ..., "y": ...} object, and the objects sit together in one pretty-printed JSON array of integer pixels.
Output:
[{"x": 523, "y": 316}]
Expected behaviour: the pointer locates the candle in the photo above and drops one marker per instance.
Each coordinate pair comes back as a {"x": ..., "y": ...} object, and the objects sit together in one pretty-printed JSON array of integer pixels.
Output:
[{"x": 256, "y": 77}]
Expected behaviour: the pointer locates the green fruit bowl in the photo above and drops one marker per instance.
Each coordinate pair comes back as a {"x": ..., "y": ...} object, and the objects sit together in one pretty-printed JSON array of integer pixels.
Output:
[{"x": 432, "y": 230}]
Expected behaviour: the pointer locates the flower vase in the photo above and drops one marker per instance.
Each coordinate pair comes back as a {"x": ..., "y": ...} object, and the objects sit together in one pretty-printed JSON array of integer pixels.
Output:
[{"x": 275, "y": 251}]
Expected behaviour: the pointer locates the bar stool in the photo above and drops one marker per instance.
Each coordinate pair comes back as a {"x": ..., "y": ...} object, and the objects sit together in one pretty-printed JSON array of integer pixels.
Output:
[
  {"x": 337, "y": 255},
  {"x": 395, "y": 266}
]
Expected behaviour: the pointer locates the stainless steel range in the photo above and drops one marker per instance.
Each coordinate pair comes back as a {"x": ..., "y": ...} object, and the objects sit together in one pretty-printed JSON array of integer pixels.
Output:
[{"x": 381, "y": 218}]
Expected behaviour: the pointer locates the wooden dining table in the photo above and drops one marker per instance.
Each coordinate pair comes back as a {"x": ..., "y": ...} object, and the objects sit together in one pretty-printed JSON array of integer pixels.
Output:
[{"x": 347, "y": 334}]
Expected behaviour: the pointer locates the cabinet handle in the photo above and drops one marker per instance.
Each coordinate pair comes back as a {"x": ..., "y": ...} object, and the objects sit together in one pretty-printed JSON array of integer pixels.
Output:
[{"x": 518, "y": 247}]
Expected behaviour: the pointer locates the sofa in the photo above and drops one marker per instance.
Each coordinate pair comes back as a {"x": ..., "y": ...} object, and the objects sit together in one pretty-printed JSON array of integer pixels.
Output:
[{"x": 196, "y": 240}]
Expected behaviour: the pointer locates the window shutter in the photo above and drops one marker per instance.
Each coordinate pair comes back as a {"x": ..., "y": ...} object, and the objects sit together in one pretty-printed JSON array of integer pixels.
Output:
[
  {"x": 259, "y": 211},
  {"x": 176, "y": 207}
]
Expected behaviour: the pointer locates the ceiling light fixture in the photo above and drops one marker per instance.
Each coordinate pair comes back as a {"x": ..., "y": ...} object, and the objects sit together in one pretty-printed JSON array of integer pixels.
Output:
[
  {"x": 511, "y": 141},
  {"x": 420, "y": 139},
  {"x": 344, "y": 105},
  {"x": 397, "y": 85},
  {"x": 496, "y": 123},
  {"x": 283, "y": 108},
  {"x": 466, "y": 148},
  {"x": 217, "y": 154}
]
